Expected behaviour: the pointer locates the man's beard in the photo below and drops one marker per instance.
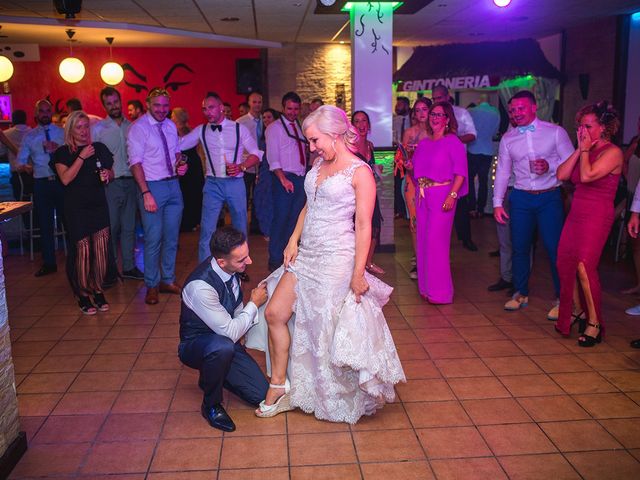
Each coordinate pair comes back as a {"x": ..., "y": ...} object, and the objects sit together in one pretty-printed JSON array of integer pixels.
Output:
[
  {"x": 115, "y": 116},
  {"x": 44, "y": 120}
]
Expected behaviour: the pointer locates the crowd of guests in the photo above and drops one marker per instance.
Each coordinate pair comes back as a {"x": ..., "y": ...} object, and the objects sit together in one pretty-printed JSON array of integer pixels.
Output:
[
  {"x": 154, "y": 166},
  {"x": 103, "y": 176},
  {"x": 536, "y": 159}
]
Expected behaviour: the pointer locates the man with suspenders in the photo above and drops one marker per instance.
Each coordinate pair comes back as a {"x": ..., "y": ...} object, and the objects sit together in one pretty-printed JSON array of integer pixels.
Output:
[{"x": 223, "y": 142}]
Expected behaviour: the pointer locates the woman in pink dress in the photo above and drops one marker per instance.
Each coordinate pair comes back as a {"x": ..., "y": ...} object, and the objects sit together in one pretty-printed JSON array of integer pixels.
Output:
[
  {"x": 595, "y": 169},
  {"x": 440, "y": 172}
]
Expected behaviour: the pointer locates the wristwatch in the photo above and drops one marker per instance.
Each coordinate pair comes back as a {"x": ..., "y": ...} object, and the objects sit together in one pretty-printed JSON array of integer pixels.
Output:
[{"x": 453, "y": 194}]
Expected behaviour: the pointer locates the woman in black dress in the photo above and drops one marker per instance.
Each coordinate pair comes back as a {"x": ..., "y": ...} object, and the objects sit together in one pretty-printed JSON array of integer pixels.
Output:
[
  {"x": 360, "y": 120},
  {"x": 84, "y": 168}
]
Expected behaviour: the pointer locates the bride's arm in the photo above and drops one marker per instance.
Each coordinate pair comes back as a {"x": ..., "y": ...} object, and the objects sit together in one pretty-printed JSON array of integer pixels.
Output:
[
  {"x": 365, "y": 188},
  {"x": 291, "y": 250}
]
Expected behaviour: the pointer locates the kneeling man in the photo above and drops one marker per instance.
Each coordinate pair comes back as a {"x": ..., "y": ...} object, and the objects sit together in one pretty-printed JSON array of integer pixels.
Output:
[{"x": 212, "y": 321}]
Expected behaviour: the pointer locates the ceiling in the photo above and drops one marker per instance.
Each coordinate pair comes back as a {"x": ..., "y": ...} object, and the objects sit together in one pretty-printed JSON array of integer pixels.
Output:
[{"x": 270, "y": 23}]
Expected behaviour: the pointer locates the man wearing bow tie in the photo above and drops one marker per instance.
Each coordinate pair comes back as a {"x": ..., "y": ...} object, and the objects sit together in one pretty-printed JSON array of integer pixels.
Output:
[
  {"x": 212, "y": 321},
  {"x": 286, "y": 152},
  {"x": 533, "y": 150},
  {"x": 223, "y": 142}
]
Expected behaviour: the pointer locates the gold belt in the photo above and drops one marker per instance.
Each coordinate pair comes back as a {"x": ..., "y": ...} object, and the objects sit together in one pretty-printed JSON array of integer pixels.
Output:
[{"x": 424, "y": 183}]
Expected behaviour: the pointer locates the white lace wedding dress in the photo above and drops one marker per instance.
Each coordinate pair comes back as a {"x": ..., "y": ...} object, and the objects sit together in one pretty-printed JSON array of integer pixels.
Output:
[{"x": 343, "y": 363}]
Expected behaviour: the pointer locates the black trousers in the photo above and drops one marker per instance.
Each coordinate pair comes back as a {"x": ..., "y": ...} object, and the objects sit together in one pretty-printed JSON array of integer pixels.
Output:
[
  {"x": 461, "y": 219},
  {"x": 250, "y": 183},
  {"x": 223, "y": 363},
  {"x": 478, "y": 165}
]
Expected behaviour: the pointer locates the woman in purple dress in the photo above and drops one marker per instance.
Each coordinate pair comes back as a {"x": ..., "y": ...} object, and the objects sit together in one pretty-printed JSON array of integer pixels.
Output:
[{"x": 440, "y": 172}]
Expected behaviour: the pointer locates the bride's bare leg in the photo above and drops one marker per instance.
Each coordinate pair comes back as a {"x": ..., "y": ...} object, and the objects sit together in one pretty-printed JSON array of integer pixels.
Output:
[{"x": 277, "y": 314}]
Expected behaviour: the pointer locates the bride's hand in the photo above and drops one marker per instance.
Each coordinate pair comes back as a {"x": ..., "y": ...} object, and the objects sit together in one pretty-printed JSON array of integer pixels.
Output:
[
  {"x": 359, "y": 286},
  {"x": 290, "y": 254}
]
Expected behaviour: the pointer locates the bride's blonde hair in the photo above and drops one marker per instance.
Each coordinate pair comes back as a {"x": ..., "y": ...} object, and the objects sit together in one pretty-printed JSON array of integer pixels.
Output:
[{"x": 332, "y": 120}]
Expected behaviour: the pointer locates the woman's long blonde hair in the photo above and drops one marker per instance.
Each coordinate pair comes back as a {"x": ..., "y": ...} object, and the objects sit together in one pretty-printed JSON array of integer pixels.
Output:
[
  {"x": 332, "y": 120},
  {"x": 70, "y": 124}
]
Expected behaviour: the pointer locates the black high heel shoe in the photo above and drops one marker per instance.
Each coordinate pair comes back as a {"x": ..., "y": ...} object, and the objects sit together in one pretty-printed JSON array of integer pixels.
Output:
[
  {"x": 581, "y": 320},
  {"x": 588, "y": 340}
]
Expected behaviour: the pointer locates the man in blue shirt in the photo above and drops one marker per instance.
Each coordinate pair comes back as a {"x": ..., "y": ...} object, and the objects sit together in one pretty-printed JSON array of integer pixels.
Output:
[
  {"x": 37, "y": 148},
  {"x": 487, "y": 120}
]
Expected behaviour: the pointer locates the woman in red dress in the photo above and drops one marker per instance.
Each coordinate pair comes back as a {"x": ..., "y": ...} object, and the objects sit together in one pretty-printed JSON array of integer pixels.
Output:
[{"x": 595, "y": 169}]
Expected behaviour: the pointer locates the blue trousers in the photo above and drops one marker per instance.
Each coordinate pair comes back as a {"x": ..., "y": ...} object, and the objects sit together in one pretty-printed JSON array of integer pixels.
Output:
[
  {"x": 161, "y": 229},
  {"x": 217, "y": 192},
  {"x": 286, "y": 209},
  {"x": 48, "y": 195},
  {"x": 223, "y": 363},
  {"x": 545, "y": 211},
  {"x": 121, "y": 198}
]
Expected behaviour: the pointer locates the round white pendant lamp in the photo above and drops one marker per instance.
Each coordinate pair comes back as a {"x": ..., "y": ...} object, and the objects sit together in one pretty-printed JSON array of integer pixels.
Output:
[
  {"x": 71, "y": 69},
  {"x": 111, "y": 72},
  {"x": 6, "y": 68}
]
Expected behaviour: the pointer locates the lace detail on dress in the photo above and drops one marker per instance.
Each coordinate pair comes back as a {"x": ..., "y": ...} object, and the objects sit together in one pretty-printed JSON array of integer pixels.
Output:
[{"x": 343, "y": 362}]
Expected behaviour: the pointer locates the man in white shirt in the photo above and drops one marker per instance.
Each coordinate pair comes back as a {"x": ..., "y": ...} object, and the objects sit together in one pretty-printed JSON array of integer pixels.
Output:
[
  {"x": 121, "y": 191},
  {"x": 253, "y": 121},
  {"x": 286, "y": 151},
  {"x": 212, "y": 321},
  {"x": 532, "y": 151},
  {"x": 223, "y": 142},
  {"x": 467, "y": 134}
]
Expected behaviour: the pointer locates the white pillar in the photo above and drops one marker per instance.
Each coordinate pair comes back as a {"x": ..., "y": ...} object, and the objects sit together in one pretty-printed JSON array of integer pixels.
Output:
[{"x": 371, "y": 66}]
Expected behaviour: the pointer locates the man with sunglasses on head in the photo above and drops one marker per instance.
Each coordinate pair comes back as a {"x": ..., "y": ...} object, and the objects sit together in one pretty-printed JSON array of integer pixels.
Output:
[{"x": 156, "y": 162}]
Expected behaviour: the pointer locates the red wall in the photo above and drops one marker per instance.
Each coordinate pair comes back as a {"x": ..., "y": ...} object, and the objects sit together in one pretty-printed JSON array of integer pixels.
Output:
[{"x": 213, "y": 69}]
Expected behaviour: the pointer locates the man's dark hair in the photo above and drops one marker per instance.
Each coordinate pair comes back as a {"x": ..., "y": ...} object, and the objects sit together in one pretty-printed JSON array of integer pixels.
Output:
[
  {"x": 213, "y": 95},
  {"x": 73, "y": 104},
  {"x": 243, "y": 104},
  {"x": 291, "y": 97},
  {"x": 226, "y": 104},
  {"x": 256, "y": 92},
  {"x": 107, "y": 92},
  {"x": 136, "y": 104},
  {"x": 225, "y": 240},
  {"x": 318, "y": 100},
  {"x": 403, "y": 99},
  {"x": 525, "y": 94},
  {"x": 275, "y": 113},
  {"x": 19, "y": 117}
]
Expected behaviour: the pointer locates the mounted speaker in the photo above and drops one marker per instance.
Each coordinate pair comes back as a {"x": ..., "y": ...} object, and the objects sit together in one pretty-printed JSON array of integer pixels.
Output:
[
  {"x": 248, "y": 75},
  {"x": 68, "y": 7}
]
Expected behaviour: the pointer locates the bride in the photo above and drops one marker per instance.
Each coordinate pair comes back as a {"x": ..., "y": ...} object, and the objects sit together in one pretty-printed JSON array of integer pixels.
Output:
[{"x": 325, "y": 315}]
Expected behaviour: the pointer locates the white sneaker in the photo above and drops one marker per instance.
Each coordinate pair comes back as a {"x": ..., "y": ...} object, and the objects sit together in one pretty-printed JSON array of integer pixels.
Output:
[
  {"x": 554, "y": 312},
  {"x": 413, "y": 274}
]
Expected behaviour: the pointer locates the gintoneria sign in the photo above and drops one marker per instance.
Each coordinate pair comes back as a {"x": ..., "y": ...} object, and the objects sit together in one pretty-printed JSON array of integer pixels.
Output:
[{"x": 477, "y": 81}]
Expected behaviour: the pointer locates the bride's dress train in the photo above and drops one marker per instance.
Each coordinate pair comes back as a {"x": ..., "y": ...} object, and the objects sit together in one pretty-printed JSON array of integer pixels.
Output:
[{"x": 343, "y": 363}]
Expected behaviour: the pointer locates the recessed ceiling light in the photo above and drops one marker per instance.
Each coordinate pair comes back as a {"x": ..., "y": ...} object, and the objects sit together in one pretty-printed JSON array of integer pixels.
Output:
[
  {"x": 341, "y": 42},
  {"x": 230, "y": 19}
]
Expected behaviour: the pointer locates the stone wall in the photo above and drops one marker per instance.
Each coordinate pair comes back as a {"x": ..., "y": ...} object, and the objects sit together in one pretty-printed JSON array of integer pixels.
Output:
[{"x": 311, "y": 70}]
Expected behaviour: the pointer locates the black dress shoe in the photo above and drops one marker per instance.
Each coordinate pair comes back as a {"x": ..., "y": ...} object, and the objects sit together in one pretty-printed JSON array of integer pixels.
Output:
[
  {"x": 469, "y": 245},
  {"x": 218, "y": 417},
  {"x": 500, "y": 285},
  {"x": 46, "y": 270},
  {"x": 635, "y": 343}
]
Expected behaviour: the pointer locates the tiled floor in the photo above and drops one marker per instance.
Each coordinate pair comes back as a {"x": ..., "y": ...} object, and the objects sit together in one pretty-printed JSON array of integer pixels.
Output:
[{"x": 490, "y": 394}]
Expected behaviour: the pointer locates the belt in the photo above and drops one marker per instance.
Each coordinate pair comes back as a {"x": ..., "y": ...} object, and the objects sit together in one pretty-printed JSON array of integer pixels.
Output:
[
  {"x": 47, "y": 179},
  {"x": 165, "y": 179},
  {"x": 538, "y": 192},
  {"x": 424, "y": 182}
]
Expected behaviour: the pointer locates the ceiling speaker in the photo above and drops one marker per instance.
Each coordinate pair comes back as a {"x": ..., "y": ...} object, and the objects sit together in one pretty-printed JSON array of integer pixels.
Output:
[{"x": 68, "y": 7}]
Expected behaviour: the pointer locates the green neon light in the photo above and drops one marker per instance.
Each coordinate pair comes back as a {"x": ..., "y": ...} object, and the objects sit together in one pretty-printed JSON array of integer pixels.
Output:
[{"x": 349, "y": 5}]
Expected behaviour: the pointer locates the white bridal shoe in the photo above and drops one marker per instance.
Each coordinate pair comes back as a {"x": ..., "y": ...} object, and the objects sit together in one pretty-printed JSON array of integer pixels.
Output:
[{"x": 281, "y": 405}]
